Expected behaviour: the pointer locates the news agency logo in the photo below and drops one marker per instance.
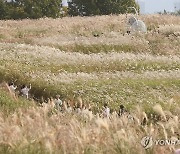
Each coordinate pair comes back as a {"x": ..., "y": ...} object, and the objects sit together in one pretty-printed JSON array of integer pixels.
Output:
[{"x": 148, "y": 142}]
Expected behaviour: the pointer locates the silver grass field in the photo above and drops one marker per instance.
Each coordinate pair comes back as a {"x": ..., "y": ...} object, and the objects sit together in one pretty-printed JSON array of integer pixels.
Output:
[{"x": 90, "y": 61}]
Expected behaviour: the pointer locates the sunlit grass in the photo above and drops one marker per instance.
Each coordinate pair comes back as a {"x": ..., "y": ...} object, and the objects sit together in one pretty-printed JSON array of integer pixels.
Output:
[{"x": 37, "y": 130}]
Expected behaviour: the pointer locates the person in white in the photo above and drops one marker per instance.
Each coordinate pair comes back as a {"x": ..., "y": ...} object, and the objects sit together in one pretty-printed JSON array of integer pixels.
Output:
[
  {"x": 106, "y": 111},
  {"x": 69, "y": 108},
  {"x": 58, "y": 102},
  {"x": 25, "y": 90},
  {"x": 12, "y": 87}
]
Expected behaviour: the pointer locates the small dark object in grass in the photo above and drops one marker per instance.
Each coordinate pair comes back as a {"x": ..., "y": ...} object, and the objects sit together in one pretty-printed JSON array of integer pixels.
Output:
[
  {"x": 128, "y": 32},
  {"x": 96, "y": 35},
  {"x": 144, "y": 122}
]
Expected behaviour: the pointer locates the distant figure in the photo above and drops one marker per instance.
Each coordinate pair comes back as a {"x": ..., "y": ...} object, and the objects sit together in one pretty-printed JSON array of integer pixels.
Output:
[
  {"x": 106, "y": 111},
  {"x": 144, "y": 121},
  {"x": 78, "y": 107},
  {"x": 12, "y": 87},
  {"x": 58, "y": 102},
  {"x": 69, "y": 108},
  {"x": 4, "y": 86},
  {"x": 25, "y": 91},
  {"x": 121, "y": 110}
]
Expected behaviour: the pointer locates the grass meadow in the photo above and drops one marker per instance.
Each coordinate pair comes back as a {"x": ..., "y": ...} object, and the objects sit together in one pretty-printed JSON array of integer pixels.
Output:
[{"x": 90, "y": 60}]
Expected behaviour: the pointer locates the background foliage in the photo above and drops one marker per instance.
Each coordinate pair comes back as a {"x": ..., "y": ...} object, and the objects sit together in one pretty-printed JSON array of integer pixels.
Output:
[
  {"x": 100, "y": 7},
  {"x": 33, "y": 9}
]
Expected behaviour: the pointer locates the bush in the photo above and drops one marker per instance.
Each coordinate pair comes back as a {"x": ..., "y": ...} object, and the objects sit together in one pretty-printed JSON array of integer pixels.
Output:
[
  {"x": 100, "y": 7},
  {"x": 33, "y": 9}
]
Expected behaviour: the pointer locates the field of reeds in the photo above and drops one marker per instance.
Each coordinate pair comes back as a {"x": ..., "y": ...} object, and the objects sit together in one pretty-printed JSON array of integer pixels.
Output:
[{"x": 92, "y": 60}]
